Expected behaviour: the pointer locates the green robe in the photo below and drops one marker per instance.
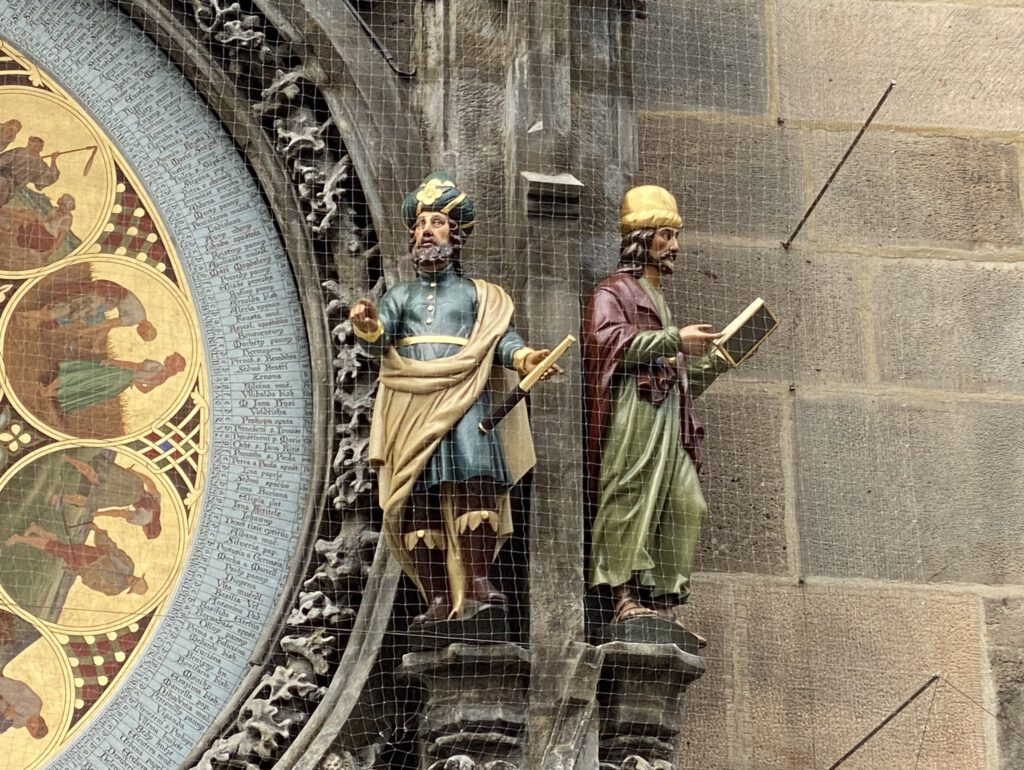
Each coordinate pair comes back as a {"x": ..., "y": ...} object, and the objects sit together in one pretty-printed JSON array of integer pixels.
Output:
[
  {"x": 649, "y": 505},
  {"x": 85, "y": 383}
]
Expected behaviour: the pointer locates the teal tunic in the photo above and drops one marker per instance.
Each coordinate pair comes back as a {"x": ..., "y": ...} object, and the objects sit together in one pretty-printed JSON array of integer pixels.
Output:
[{"x": 444, "y": 304}]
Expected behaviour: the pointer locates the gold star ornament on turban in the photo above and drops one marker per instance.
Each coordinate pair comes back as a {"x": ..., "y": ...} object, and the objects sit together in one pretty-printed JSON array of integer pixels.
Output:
[{"x": 438, "y": 192}]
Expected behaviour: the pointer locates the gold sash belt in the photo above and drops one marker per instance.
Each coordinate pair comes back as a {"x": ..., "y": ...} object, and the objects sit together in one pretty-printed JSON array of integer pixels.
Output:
[{"x": 437, "y": 339}]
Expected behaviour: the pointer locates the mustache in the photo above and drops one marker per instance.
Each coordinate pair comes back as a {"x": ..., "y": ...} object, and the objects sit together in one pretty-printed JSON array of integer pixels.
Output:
[{"x": 667, "y": 262}]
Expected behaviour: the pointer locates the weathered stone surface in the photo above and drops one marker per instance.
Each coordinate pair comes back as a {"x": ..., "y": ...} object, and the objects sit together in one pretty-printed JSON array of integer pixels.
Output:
[
  {"x": 479, "y": 35},
  {"x": 707, "y": 739},
  {"x": 645, "y": 689},
  {"x": 950, "y": 325},
  {"x": 743, "y": 483},
  {"x": 729, "y": 179},
  {"x": 916, "y": 491},
  {"x": 702, "y": 56},
  {"x": 393, "y": 23},
  {"x": 954, "y": 64},
  {"x": 906, "y": 190},
  {"x": 816, "y": 297},
  {"x": 1004, "y": 622},
  {"x": 706, "y": 55},
  {"x": 475, "y": 115},
  {"x": 810, "y": 670}
]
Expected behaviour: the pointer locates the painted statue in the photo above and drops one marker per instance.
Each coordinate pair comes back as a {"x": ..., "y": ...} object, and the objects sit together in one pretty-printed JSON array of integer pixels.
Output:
[
  {"x": 643, "y": 442},
  {"x": 443, "y": 482}
]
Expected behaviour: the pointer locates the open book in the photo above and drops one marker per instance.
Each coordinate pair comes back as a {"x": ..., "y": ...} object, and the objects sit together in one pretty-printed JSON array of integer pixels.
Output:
[{"x": 745, "y": 333}]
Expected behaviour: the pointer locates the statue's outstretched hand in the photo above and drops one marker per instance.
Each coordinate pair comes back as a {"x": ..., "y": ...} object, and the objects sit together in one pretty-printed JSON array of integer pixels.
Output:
[
  {"x": 363, "y": 316},
  {"x": 695, "y": 339}
]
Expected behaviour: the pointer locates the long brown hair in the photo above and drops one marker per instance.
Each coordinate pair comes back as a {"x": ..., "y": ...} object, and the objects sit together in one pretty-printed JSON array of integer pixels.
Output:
[{"x": 633, "y": 251}]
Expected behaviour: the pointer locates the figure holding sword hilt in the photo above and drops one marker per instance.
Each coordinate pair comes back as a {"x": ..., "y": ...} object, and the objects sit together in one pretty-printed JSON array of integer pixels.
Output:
[
  {"x": 443, "y": 484},
  {"x": 543, "y": 370}
]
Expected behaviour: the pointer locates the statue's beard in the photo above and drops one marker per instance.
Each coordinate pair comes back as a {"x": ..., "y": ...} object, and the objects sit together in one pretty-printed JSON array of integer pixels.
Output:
[
  {"x": 432, "y": 256},
  {"x": 666, "y": 262}
]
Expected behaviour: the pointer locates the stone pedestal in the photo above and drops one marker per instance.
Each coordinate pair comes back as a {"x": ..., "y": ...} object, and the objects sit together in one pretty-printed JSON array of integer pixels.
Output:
[
  {"x": 474, "y": 710},
  {"x": 643, "y": 691}
]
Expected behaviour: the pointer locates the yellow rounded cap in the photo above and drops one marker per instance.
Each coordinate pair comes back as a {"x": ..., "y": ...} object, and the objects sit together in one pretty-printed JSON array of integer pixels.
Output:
[{"x": 648, "y": 206}]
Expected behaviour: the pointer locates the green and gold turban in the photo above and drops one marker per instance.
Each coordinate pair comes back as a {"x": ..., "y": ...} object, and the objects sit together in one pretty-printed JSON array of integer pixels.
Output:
[{"x": 438, "y": 192}]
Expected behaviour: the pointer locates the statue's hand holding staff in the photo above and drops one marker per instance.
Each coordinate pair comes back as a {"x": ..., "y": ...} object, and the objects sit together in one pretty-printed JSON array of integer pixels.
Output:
[{"x": 538, "y": 365}]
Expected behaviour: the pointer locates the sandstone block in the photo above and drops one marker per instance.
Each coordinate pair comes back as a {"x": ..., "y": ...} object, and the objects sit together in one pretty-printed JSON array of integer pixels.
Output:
[
  {"x": 826, "y": 663},
  {"x": 801, "y": 673},
  {"x": 909, "y": 490},
  {"x": 728, "y": 179},
  {"x": 950, "y": 325},
  {"x": 907, "y": 190},
  {"x": 688, "y": 56},
  {"x": 743, "y": 483},
  {"x": 954, "y": 64}
]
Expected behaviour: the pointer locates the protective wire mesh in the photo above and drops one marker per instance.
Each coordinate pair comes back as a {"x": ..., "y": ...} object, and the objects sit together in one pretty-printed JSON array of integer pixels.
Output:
[{"x": 249, "y": 517}]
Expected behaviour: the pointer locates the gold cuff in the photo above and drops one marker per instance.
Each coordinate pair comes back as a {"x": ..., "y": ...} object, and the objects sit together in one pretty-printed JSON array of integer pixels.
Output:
[
  {"x": 518, "y": 357},
  {"x": 372, "y": 336},
  {"x": 473, "y": 519},
  {"x": 431, "y": 538}
]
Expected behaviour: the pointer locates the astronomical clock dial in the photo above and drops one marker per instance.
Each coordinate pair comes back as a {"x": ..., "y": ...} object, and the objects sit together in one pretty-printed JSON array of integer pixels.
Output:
[{"x": 155, "y": 433}]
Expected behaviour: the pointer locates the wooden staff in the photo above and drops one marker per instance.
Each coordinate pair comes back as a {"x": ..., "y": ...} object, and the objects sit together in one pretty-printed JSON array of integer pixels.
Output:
[
  {"x": 88, "y": 163},
  {"x": 525, "y": 385}
]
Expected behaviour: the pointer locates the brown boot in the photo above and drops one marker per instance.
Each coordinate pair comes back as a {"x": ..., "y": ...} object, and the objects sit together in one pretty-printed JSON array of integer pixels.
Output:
[
  {"x": 477, "y": 554},
  {"x": 430, "y": 567}
]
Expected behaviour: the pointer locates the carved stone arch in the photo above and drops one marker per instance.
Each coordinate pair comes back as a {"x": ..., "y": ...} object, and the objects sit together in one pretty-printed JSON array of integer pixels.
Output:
[{"x": 314, "y": 64}]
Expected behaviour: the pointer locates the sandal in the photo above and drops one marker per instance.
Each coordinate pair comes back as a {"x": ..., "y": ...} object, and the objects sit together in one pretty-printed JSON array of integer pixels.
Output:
[{"x": 627, "y": 606}]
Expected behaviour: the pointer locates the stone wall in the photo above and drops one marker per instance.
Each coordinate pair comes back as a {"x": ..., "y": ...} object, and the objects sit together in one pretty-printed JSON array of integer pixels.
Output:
[{"x": 864, "y": 471}]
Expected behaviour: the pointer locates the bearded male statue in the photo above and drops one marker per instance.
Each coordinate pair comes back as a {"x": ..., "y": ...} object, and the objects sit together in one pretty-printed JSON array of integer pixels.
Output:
[
  {"x": 443, "y": 483},
  {"x": 643, "y": 443}
]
